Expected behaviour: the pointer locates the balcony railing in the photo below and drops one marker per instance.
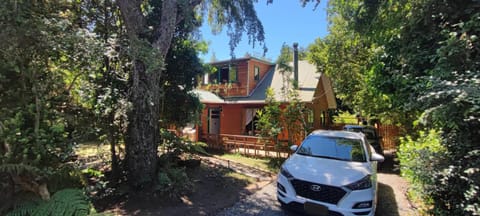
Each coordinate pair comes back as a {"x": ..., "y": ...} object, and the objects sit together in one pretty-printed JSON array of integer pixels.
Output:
[{"x": 227, "y": 89}]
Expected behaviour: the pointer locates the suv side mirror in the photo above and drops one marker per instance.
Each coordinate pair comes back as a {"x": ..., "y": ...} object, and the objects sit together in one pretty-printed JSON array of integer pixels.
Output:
[
  {"x": 377, "y": 157},
  {"x": 294, "y": 148}
]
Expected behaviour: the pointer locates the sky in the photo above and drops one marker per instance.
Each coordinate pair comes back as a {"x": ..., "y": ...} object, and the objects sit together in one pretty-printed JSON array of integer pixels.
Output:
[{"x": 284, "y": 21}]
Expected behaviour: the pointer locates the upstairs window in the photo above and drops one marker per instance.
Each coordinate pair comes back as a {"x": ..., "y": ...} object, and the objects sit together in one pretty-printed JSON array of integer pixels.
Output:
[
  {"x": 256, "y": 73},
  {"x": 232, "y": 74},
  {"x": 224, "y": 74}
]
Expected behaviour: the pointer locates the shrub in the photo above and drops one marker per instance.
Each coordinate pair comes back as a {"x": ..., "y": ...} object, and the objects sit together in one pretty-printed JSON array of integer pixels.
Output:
[
  {"x": 173, "y": 182},
  {"x": 444, "y": 172},
  {"x": 419, "y": 159}
]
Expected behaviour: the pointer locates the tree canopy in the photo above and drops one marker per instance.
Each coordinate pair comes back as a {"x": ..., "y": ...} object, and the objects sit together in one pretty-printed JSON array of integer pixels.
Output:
[{"x": 414, "y": 63}]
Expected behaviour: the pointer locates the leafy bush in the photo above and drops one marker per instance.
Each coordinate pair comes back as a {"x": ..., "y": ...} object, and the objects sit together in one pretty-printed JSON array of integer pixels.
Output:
[
  {"x": 173, "y": 182},
  {"x": 345, "y": 117},
  {"x": 419, "y": 159},
  {"x": 444, "y": 172},
  {"x": 179, "y": 145}
]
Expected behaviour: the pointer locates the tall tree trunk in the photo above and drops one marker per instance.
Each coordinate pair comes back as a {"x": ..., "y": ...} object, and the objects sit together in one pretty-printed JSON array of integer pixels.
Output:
[
  {"x": 143, "y": 126},
  {"x": 143, "y": 133}
]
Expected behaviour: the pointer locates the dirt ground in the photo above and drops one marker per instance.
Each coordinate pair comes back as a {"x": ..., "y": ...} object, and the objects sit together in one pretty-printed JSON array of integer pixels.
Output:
[
  {"x": 392, "y": 190},
  {"x": 213, "y": 190}
]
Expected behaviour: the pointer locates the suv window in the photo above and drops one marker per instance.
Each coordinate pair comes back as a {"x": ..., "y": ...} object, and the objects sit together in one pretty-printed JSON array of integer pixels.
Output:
[
  {"x": 369, "y": 133},
  {"x": 333, "y": 148}
]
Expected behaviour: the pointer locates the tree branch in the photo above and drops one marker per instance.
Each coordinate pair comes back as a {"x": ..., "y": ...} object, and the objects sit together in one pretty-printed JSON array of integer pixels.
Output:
[
  {"x": 164, "y": 32},
  {"x": 132, "y": 16}
]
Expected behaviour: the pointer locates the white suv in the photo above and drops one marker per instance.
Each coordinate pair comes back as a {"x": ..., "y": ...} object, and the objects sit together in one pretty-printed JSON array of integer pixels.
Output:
[{"x": 330, "y": 173}]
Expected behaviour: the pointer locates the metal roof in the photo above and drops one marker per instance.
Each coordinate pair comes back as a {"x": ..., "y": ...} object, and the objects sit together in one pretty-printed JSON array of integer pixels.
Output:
[
  {"x": 308, "y": 80},
  {"x": 207, "y": 97},
  {"x": 277, "y": 79}
]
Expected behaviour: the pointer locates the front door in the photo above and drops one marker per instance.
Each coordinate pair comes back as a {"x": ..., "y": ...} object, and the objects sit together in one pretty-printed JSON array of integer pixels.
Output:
[{"x": 214, "y": 121}]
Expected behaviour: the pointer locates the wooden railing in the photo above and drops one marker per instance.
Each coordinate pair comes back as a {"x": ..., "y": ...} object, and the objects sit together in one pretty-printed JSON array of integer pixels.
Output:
[
  {"x": 247, "y": 145},
  {"x": 226, "y": 90}
]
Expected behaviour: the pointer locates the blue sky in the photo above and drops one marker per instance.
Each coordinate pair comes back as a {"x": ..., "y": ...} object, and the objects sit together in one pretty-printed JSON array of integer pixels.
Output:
[{"x": 284, "y": 21}]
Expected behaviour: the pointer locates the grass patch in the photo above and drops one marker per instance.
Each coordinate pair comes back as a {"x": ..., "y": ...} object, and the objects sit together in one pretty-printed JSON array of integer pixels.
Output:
[
  {"x": 240, "y": 177},
  {"x": 92, "y": 149},
  {"x": 268, "y": 164}
]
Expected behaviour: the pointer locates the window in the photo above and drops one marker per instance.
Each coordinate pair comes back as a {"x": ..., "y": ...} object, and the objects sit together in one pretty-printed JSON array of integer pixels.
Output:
[
  {"x": 251, "y": 120},
  {"x": 310, "y": 117},
  {"x": 256, "y": 73},
  {"x": 334, "y": 148},
  {"x": 232, "y": 74},
  {"x": 224, "y": 74}
]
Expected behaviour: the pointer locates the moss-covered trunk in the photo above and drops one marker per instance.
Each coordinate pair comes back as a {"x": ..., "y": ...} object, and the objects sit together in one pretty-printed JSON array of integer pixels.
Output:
[{"x": 143, "y": 127}]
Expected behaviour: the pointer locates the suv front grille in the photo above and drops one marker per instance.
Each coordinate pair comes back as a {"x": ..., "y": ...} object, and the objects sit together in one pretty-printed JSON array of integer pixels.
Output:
[{"x": 320, "y": 192}]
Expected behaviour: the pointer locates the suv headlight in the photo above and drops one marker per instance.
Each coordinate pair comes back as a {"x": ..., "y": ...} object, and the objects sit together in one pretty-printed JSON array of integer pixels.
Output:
[
  {"x": 364, "y": 183},
  {"x": 285, "y": 173}
]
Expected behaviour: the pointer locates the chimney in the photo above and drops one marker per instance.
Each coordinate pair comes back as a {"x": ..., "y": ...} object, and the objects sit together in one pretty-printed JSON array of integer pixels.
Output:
[{"x": 295, "y": 65}]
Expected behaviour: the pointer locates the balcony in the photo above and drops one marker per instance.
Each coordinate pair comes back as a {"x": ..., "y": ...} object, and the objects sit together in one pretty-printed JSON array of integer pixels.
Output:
[{"x": 226, "y": 89}]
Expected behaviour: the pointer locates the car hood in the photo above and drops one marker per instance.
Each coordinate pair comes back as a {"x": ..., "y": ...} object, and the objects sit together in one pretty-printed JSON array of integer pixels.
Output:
[{"x": 326, "y": 171}]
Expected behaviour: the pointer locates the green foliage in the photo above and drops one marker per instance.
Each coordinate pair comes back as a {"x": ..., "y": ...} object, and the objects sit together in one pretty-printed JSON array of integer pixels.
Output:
[
  {"x": 19, "y": 169},
  {"x": 415, "y": 63},
  {"x": 419, "y": 158},
  {"x": 351, "y": 60},
  {"x": 294, "y": 118},
  {"x": 179, "y": 145},
  {"x": 269, "y": 122},
  {"x": 25, "y": 209},
  {"x": 344, "y": 117},
  {"x": 68, "y": 202},
  {"x": 179, "y": 105},
  {"x": 173, "y": 182},
  {"x": 237, "y": 16},
  {"x": 45, "y": 53}
]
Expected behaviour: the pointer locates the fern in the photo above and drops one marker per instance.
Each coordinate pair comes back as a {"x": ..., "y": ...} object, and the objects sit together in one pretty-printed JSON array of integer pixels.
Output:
[
  {"x": 24, "y": 209},
  {"x": 66, "y": 202},
  {"x": 18, "y": 169}
]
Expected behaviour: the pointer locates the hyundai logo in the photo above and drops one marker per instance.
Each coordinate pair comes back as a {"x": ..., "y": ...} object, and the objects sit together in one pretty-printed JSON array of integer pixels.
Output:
[{"x": 315, "y": 188}]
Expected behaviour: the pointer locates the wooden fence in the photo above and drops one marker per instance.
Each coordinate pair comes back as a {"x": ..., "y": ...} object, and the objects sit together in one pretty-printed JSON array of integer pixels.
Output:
[
  {"x": 247, "y": 145},
  {"x": 390, "y": 136},
  {"x": 388, "y": 133},
  {"x": 252, "y": 145}
]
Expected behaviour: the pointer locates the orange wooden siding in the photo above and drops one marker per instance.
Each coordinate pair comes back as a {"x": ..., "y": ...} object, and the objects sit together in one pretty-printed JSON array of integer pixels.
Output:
[
  {"x": 232, "y": 119},
  {"x": 245, "y": 78},
  {"x": 264, "y": 68}
]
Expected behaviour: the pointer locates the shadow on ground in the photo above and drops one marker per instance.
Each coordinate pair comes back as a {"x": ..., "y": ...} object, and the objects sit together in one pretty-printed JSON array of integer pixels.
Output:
[
  {"x": 386, "y": 202},
  {"x": 390, "y": 165}
]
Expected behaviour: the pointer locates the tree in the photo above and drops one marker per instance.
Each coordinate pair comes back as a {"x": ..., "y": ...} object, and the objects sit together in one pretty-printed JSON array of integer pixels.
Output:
[
  {"x": 420, "y": 60},
  {"x": 269, "y": 118},
  {"x": 44, "y": 52},
  {"x": 151, "y": 26},
  {"x": 293, "y": 115}
]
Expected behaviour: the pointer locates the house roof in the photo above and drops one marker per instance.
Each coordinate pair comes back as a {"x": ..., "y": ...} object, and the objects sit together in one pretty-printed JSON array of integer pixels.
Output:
[
  {"x": 239, "y": 60},
  {"x": 207, "y": 97},
  {"x": 308, "y": 81},
  {"x": 275, "y": 79}
]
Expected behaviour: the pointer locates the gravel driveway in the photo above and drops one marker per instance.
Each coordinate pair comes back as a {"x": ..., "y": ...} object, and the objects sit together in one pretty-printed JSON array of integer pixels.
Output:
[{"x": 391, "y": 198}]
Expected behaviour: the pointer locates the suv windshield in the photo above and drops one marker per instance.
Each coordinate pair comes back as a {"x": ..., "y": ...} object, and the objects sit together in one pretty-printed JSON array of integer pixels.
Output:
[
  {"x": 369, "y": 133},
  {"x": 333, "y": 148}
]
